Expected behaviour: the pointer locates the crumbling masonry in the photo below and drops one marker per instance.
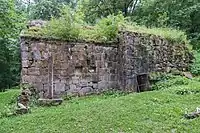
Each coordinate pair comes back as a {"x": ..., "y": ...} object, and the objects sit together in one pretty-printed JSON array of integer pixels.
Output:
[{"x": 88, "y": 67}]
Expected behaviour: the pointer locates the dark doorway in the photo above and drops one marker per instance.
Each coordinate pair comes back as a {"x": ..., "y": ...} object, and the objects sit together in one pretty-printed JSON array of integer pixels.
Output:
[{"x": 143, "y": 82}]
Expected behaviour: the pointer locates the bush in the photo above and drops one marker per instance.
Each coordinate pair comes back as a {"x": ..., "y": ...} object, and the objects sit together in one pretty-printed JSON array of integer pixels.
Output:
[
  {"x": 168, "y": 82},
  {"x": 195, "y": 67},
  {"x": 107, "y": 28},
  {"x": 64, "y": 27},
  {"x": 70, "y": 26}
]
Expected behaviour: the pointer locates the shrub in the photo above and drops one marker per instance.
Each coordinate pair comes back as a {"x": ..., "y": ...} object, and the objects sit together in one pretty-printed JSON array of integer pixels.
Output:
[
  {"x": 107, "y": 28},
  {"x": 168, "y": 82},
  {"x": 71, "y": 26},
  {"x": 64, "y": 27},
  {"x": 195, "y": 67}
]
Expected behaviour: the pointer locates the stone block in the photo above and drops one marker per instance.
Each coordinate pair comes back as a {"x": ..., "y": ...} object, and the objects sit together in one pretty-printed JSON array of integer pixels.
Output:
[
  {"x": 64, "y": 72},
  {"x": 37, "y": 55},
  {"x": 24, "y": 71},
  {"x": 98, "y": 64},
  {"x": 44, "y": 71},
  {"x": 44, "y": 79},
  {"x": 98, "y": 57},
  {"x": 29, "y": 79},
  {"x": 25, "y": 63},
  {"x": 113, "y": 77},
  {"x": 95, "y": 85},
  {"x": 110, "y": 64},
  {"x": 24, "y": 55},
  {"x": 113, "y": 71},
  {"x": 72, "y": 87},
  {"x": 34, "y": 71},
  {"x": 95, "y": 77},
  {"x": 75, "y": 80},
  {"x": 41, "y": 46},
  {"x": 98, "y": 49},
  {"x": 67, "y": 87},
  {"x": 85, "y": 91},
  {"x": 59, "y": 87},
  {"x": 83, "y": 82},
  {"x": 65, "y": 65},
  {"x": 24, "y": 48}
]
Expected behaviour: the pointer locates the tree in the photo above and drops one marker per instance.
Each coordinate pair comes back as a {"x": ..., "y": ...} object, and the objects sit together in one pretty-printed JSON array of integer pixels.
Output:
[
  {"x": 180, "y": 14},
  {"x": 94, "y": 9},
  {"x": 9, "y": 32},
  {"x": 46, "y": 9}
]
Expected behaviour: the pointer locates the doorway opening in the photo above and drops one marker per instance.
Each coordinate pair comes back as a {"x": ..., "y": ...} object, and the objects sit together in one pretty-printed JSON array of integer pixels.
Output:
[{"x": 143, "y": 82}]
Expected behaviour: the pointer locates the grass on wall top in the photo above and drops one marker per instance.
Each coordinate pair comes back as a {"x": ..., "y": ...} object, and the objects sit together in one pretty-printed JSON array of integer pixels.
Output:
[{"x": 70, "y": 26}]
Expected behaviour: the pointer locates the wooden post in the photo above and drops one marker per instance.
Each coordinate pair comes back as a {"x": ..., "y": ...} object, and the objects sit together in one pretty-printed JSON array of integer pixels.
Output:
[
  {"x": 49, "y": 77},
  {"x": 52, "y": 76}
]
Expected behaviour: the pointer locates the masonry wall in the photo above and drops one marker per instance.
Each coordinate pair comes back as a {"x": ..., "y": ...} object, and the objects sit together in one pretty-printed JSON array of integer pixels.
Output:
[
  {"x": 145, "y": 53},
  {"x": 84, "y": 67}
]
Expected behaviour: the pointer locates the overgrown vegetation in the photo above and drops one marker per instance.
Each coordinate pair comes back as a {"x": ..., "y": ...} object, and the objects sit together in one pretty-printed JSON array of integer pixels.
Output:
[
  {"x": 195, "y": 67},
  {"x": 65, "y": 27},
  {"x": 8, "y": 102},
  {"x": 155, "y": 111},
  {"x": 168, "y": 33},
  {"x": 71, "y": 26},
  {"x": 169, "y": 81},
  {"x": 10, "y": 25}
]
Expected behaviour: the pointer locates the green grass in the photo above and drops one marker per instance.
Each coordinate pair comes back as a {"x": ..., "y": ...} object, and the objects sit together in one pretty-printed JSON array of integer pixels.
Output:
[
  {"x": 195, "y": 66},
  {"x": 167, "y": 33},
  {"x": 90, "y": 33},
  {"x": 7, "y": 97},
  {"x": 156, "y": 111}
]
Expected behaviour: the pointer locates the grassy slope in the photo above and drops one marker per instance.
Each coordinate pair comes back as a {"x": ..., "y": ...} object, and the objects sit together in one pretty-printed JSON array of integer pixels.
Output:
[
  {"x": 7, "y": 97},
  {"x": 156, "y": 111}
]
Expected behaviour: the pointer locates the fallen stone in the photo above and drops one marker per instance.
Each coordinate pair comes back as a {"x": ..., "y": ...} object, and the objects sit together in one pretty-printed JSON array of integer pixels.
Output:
[{"x": 188, "y": 75}]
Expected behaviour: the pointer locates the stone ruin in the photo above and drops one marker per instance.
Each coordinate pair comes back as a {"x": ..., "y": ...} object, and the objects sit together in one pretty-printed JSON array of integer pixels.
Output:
[{"x": 58, "y": 67}]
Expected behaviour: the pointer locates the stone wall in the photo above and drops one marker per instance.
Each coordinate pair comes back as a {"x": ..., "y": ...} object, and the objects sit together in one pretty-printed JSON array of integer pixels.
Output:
[
  {"x": 85, "y": 67},
  {"x": 145, "y": 53}
]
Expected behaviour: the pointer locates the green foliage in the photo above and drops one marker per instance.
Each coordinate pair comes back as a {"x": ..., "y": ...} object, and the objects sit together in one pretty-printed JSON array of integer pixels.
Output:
[
  {"x": 174, "y": 81},
  {"x": 107, "y": 28},
  {"x": 65, "y": 27},
  {"x": 168, "y": 33},
  {"x": 160, "y": 76},
  {"x": 10, "y": 25},
  {"x": 70, "y": 26},
  {"x": 195, "y": 67},
  {"x": 95, "y": 9},
  {"x": 8, "y": 102},
  {"x": 45, "y": 9},
  {"x": 183, "y": 15}
]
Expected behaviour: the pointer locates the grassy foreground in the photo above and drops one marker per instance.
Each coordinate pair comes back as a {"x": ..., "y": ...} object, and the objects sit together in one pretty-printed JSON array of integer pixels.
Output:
[
  {"x": 157, "y": 111},
  {"x": 7, "y": 97}
]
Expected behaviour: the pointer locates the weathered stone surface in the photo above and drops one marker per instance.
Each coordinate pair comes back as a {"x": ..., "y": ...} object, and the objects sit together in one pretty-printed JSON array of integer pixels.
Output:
[
  {"x": 84, "y": 68},
  {"x": 25, "y": 63},
  {"x": 34, "y": 71},
  {"x": 85, "y": 90}
]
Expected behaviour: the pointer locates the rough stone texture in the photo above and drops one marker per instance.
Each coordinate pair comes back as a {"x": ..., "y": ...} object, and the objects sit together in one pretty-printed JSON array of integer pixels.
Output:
[
  {"x": 83, "y": 68},
  {"x": 145, "y": 53}
]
